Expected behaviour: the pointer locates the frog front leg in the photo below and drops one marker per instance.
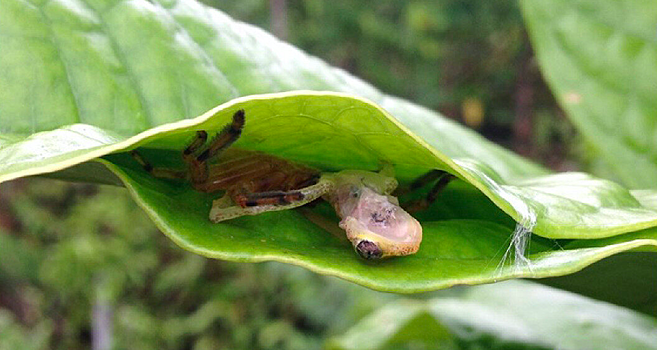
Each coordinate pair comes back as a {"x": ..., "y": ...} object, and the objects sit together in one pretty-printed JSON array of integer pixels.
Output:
[{"x": 237, "y": 203}]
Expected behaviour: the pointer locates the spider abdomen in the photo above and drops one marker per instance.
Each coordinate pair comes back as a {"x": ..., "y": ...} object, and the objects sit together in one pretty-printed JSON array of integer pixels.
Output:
[{"x": 241, "y": 172}]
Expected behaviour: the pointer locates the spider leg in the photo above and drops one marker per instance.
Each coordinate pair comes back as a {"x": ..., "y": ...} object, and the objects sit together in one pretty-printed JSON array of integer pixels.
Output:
[
  {"x": 439, "y": 186},
  {"x": 225, "y": 138},
  {"x": 442, "y": 179},
  {"x": 313, "y": 179},
  {"x": 240, "y": 204},
  {"x": 268, "y": 198},
  {"x": 197, "y": 164},
  {"x": 196, "y": 144},
  {"x": 427, "y": 178},
  {"x": 273, "y": 190},
  {"x": 157, "y": 172}
]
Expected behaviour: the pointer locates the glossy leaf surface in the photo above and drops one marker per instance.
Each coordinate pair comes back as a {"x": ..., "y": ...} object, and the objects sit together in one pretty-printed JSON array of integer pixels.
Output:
[{"x": 600, "y": 58}]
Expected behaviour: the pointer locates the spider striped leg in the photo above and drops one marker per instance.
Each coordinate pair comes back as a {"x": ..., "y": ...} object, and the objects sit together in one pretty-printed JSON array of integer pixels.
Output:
[
  {"x": 196, "y": 144},
  {"x": 197, "y": 154},
  {"x": 268, "y": 198},
  {"x": 228, "y": 207},
  {"x": 225, "y": 138},
  {"x": 198, "y": 171}
]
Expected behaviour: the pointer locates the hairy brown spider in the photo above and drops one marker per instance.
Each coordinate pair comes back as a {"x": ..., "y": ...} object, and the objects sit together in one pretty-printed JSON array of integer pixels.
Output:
[{"x": 254, "y": 183}]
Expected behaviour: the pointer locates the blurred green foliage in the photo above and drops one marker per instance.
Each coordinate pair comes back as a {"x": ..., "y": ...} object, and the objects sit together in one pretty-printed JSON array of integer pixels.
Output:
[
  {"x": 434, "y": 53},
  {"x": 444, "y": 55}
]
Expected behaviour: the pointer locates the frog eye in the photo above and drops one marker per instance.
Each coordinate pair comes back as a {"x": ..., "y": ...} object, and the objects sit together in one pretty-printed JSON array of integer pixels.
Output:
[{"x": 368, "y": 250}]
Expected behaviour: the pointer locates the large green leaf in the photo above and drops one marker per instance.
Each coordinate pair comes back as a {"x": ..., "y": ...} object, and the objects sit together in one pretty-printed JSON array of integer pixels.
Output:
[
  {"x": 600, "y": 58},
  {"x": 96, "y": 65},
  {"x": 509, "y": 315}
]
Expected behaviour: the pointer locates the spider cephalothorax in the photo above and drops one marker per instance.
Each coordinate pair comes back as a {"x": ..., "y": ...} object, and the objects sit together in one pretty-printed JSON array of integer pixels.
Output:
[{"x": 254, "y": 183}]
